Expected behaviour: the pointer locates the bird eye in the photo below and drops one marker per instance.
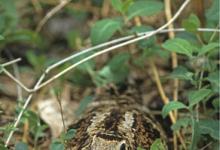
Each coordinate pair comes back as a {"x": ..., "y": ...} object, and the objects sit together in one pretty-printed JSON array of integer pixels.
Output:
[{"x": 123, "y": 146}]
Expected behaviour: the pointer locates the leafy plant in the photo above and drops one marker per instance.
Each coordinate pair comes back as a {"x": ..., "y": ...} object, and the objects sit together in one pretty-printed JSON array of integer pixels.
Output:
[
  {"x": 198, "y": 70},
  {"x": 200, "y": 94}
]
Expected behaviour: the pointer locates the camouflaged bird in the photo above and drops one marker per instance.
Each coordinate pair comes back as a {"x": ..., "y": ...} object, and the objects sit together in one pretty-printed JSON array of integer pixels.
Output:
[{"x": 115, "y": 122}]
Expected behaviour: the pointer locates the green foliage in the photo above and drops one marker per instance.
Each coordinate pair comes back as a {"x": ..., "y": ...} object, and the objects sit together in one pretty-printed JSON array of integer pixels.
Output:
[
  {"x": 6, "y": 130},
  {"x": 23, "y": 35},
  {"x": 211, "y": 127},
  {"x": 144, "y": 44},
  {"x": 174, "y": 105},
  {"x": 36, "y": 128},
  {"x": 69, "y": 134},
  {"x": 115, "y": 71},
  {"x": 198, "y": 70},
  {"x": 38, "y": 62},
  {"x": 72, "y": 38},
  {"x": 191, "y": 24},
  {"x": 208, "y": 48},
  {"x": 139, "y": 148},
  {"x": 144, "y": 8},
  {"x": 179, "y": 46},
  {"x": 181, "y": 123},
  {"x": 103, "y": 30},
  {"x": 83, "y": 104},
  {"x": 57, "y": 145},
  {"x": 2, "y": 147},
  {"x": 200, "y": 59},
  {"x": 196, "y": 96},
  {"x": 181, "y": 73},
  {"x": 118, "y": 5},
  {"x": 212, "y": 14},
  {"x": 8, "y": 16},
  {"x": 157, "y": 145},
  {"x": 1, "y": 38}
]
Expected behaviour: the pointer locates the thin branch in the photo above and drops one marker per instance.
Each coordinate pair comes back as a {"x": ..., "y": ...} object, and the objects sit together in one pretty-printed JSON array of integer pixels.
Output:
[
  {"x": 51, "y": 13},
  {"x": 116, "y": 46},
  {"x": 165, "y": 99},
  {"x": 171, "y": 35},
  {"x": 16, "y": 80},
  {"x": 121, "y": 40},
  {"x": 173, "y": 54},
  {"x": 92, "y": 49},
  {"x": 10, "y": 62},
  {"x": 22, "y": 110},
  {"x": 17, "y": 75}
]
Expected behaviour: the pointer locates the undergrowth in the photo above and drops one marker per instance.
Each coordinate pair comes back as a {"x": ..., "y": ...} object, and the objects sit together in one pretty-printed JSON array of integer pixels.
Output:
[{"x": 198, "y": 71}]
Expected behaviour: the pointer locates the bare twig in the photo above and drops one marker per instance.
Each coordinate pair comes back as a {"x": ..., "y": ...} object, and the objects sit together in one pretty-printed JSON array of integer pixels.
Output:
[
  {"x": 51, "y": 13},
  {"x": 16, "y": 80},
  {"x": 94, "y": 48},
  {"x": 11, "y": 62},
  {"x": 174, "y": 62},
  {"x": 206, "y": 146},
  {"x": 165, "y": 99},
  {"x": 22, "y": 110},
  {"x": 174, "y": 55},
  {"x": 58, "y": 97},
  {"x": 17, "y": 75},
  {"x": 116, "y": 46}
]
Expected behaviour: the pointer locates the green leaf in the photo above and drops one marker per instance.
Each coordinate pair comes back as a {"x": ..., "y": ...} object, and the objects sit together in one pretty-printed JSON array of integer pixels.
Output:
[
  {"x": 182, "y": 122},
  {"x": 144, "y": 8},
  {"x": 118, "y": 5},
  {"x": 211, "y": 127},
  {"x": 180, "y": 46},
  {"x": 191, "y": 23},
  {"x": 116, "y": 70},
  {"x": 146, "y": 43},
  {"x": 86, "y": 66},
  {"x": 103, "y": 30},
  {"x": 212, "y": 14},
  {"x": 72, "y": 38},
  {"x": 56, "y": 145},
  {"x": 80, "y": 77},
  {"x": 139, "y": 148},
  {"x": 107, "y": 75},
  {"x": 70, "y": 134},
  {"x": 216, "y": 103},
  {"x": 195, "y": 135},
  {"x": 2, "y": 147},
  {"x": 126, "y": 5},
  {"x": 1, "y": 38},
  {"x": 181, "y": 73},
  {"x": 213, "y": 78},
  {"x": 118, "y": 60},
  {"x": 21, "y": 146},
  {"x": 207, "y": 48},
  {"x": 196, "y": 96},
  {"x": 173, "y": 105},
  {"x": 24, "y": 36},
  {"x": 8, "y": 16},
  {"x": 157, "y": 145},
  {"x": 37, "y": 61},
  {"x": 83, "y": 104}
]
